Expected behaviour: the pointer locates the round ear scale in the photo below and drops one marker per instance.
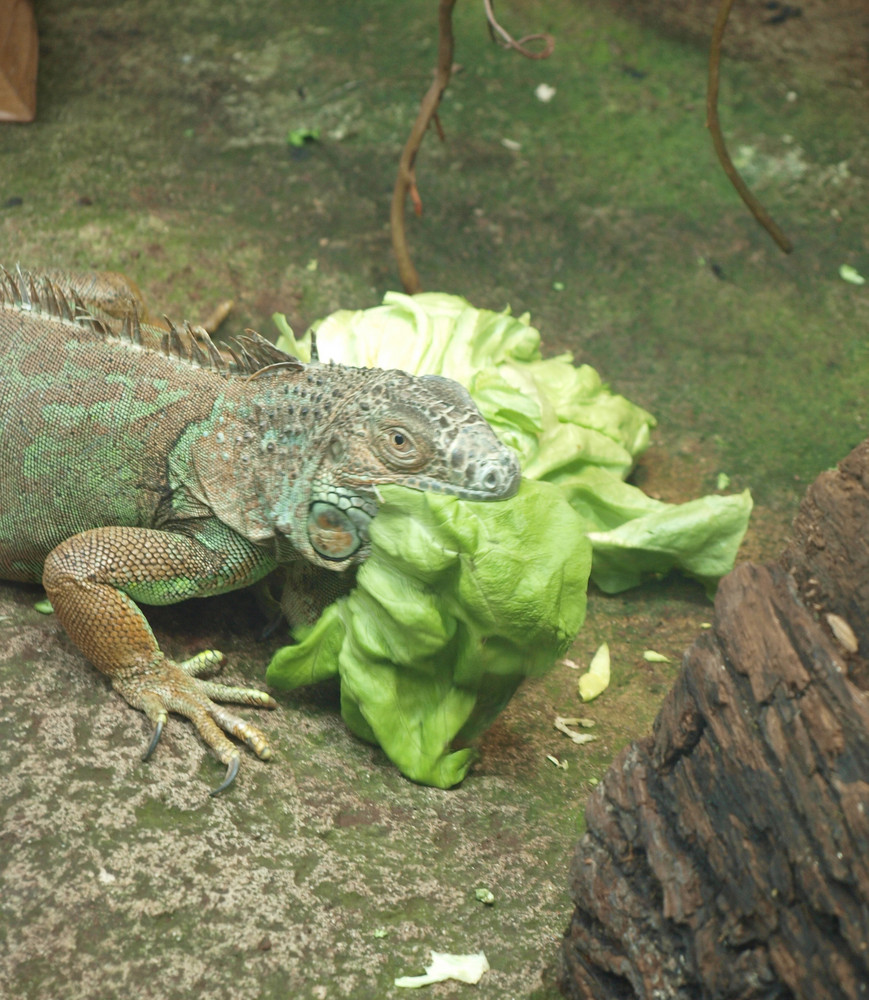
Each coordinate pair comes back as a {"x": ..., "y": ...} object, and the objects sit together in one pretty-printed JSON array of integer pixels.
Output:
[{"x": 332, "y": 532}]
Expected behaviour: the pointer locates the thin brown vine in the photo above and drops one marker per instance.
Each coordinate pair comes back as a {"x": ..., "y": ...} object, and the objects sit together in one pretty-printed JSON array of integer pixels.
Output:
[
  {"x": 509, "y": 42},
  {"x": 405, "y": 182},
  {"x": 714, "y": 126}
]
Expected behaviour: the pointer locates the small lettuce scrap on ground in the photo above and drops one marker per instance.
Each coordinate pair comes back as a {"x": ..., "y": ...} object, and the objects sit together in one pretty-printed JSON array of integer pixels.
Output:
[
  {"x": 449, "y": 615},
  {"x": 463, "y": 968},
  {"x": 566, "y": 425},
  {"x": 596, "y": 679}
]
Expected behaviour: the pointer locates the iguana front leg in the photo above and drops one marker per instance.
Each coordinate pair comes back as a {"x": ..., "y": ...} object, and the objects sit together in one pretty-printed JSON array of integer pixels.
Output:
[{"x": 92, "y": 580}]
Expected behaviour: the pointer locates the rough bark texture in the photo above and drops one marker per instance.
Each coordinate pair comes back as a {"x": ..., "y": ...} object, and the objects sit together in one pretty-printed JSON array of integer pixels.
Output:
[{"x": 727, "y": 855}]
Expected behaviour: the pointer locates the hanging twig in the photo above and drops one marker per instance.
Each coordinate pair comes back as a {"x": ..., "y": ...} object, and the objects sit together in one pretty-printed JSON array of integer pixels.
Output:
[
  {"x": 405, "y": 183},
  {"x": 714, "y": 126},
  {"x": 509, "y": 42}
]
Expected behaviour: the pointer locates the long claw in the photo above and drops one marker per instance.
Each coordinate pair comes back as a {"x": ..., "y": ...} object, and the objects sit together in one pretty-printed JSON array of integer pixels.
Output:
[
  {"x": 155, "y": 739},
  {"x": 231, "y": 772}
]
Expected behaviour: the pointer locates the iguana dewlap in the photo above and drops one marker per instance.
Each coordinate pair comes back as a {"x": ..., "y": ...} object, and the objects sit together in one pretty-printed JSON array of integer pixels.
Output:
[{"x": 139, "y": 465}]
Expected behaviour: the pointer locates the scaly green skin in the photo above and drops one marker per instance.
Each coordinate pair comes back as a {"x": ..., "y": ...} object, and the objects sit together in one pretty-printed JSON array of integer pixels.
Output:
[{"x": 142, "y": 465}]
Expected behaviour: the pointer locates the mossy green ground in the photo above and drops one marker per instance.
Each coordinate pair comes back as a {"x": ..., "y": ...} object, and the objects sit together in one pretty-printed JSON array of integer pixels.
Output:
[{"x": 160, "y": 150}]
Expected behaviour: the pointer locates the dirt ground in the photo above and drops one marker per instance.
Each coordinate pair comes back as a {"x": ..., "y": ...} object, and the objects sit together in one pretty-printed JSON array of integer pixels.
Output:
[{"x": 160, "y": 149}]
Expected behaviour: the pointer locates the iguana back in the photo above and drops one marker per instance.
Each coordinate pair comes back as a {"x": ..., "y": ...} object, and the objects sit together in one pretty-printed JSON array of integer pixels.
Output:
[{"x": 87, "y": 423}]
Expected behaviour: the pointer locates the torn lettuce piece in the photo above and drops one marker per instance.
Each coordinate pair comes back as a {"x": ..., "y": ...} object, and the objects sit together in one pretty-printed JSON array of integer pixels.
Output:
[
  {"x": 463, "y": 968},
  {"x": 431, "y": 333},
  {"x": 635, "y": 537},
  {"x": 456, "y": 605},
  {"x": 581, "y": 422},
  {"x": 597, "y": 678}
]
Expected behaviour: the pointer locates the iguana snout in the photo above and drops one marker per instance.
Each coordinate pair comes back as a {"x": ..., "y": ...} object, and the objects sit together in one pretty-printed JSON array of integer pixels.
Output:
[{"x": 484, "y": 469}]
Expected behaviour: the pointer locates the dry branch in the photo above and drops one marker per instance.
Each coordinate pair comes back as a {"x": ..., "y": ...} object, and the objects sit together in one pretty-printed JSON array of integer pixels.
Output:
[
  {"x": 405, "y": 182},
  {"x": 520, "y": 46},
  {"x": 714, "y": 126}
]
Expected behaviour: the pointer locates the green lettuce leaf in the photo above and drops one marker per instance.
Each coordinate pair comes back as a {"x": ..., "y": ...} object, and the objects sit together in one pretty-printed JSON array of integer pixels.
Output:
[
  {"x": 635, "y": 537},
  {"x": 449, "y": 615}
]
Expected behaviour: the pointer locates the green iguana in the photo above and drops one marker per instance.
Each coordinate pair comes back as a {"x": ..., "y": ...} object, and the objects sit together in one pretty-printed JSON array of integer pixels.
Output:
[{"x": 138, "y": 463}]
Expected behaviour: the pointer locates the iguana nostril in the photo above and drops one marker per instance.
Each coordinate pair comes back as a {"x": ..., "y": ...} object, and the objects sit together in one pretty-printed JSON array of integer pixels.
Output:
[{"x": 498, "y": 478}]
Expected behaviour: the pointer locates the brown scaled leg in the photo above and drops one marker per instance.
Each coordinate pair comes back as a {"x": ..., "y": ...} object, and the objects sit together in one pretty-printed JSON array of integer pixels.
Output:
[{"x": 82, "y": 577}]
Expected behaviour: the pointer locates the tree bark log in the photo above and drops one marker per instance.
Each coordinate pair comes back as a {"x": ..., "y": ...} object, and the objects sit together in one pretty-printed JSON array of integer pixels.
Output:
[{"x": 727, "y": 855}]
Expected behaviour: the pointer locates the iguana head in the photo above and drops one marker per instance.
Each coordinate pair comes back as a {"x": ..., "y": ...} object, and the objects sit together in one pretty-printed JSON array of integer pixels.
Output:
[{"x": 380, "y": 427}]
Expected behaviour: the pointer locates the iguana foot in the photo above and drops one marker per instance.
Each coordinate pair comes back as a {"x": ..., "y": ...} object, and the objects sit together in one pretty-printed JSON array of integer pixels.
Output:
[{"x": 167, "y": 686}]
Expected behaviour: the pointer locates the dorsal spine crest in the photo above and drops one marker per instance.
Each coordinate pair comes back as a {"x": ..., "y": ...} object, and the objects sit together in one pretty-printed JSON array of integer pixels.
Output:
[{"x": 250, "y": 355}]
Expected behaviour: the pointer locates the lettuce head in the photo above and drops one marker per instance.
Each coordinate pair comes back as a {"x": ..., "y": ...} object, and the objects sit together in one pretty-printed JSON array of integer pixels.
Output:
[{"x": 459, "y": 601}]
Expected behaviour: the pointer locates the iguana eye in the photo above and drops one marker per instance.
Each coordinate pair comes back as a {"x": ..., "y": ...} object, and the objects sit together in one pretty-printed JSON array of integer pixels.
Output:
[
  {"x": 400, "y": 441},
  {"x": 400, "y": 449}
]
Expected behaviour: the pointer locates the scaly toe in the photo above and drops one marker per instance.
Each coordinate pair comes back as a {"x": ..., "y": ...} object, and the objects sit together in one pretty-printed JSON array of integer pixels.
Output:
[
  {"x": 242, "y": 730},
  {"x": 209, "y": 661}
]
